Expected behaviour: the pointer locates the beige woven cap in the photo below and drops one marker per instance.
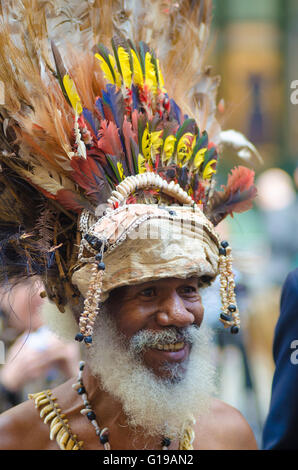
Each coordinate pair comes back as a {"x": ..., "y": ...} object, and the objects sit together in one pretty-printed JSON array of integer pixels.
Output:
[{"x": 148, "y": 242}]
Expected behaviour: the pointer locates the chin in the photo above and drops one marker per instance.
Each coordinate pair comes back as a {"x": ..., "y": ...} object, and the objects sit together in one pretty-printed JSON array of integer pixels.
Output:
[{"x": 174, "y": 373}]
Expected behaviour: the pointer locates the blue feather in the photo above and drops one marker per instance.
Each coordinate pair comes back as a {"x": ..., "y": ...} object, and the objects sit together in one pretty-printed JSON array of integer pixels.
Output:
[
  {"x": 90, "y": 119},
  {"x": 99, "y": 106},
  {"x": 135, "y": 98},
  {"x": 176, "y": 111},
  {"x": 114, "y": 101}
]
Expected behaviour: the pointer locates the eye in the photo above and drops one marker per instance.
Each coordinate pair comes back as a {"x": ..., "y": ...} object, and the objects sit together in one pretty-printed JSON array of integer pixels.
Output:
[
  {"x": 187, "y": 290},
  {"x": 148, "y": 292}
]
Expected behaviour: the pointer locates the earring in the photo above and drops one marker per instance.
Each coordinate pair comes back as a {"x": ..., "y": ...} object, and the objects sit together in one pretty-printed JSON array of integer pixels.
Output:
[
  {"x": 230, "y": 314},
  {"x": 93, "y": 297}
]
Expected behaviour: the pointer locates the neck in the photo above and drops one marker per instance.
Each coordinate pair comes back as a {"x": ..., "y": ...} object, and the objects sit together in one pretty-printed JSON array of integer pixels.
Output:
[
  {"x": 107, "y": 408},
  {"x": 110, "y": 414}
]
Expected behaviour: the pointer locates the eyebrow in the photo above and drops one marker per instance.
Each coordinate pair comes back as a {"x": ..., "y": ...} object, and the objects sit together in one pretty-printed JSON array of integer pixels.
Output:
[{"x": 205, "y": 280}]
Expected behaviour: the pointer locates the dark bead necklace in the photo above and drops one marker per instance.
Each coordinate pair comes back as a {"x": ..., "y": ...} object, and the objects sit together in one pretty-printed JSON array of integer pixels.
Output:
[{"x": 103, "y": 433}]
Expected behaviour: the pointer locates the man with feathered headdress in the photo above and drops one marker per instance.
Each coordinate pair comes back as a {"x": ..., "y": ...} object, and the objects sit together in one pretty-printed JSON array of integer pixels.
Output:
[{"x": 108, "y": 193}]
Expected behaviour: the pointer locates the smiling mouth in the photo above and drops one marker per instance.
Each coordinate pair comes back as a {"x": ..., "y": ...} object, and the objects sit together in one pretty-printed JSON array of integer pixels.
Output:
[{"x": 170, "y": 347}]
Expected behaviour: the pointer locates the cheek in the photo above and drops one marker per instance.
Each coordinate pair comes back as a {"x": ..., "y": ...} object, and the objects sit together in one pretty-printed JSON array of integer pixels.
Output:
[
  {"x": 197, "y": 309},
  {"x": 131, "y": 319}
]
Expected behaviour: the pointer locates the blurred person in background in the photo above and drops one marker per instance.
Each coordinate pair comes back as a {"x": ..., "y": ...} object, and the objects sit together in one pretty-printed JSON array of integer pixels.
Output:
[
  {"x": 280, "y": 431},
  {"x": 277, "y": 201},
  {"x": 36, "y": 357},
  {"x": 271, "y": 306}
]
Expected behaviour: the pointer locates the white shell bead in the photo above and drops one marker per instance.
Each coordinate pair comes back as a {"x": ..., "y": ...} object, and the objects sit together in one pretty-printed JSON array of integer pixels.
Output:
[
  {"x": 124, "y": 185},
  {"x": 76, "y": 386},
  {"x": 112, "y": 199},
  {"x": 150, "y": 178},
  {"x": 143, "y": 179},
  {"x": 118, "y": 195},
  {"x": 122, "y": 190},
  {"x": 164, "y": 184}
]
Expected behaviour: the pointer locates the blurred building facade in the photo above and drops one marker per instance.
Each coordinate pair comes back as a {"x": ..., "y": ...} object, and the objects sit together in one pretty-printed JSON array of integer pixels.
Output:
[{"x": 256, "y": 50}]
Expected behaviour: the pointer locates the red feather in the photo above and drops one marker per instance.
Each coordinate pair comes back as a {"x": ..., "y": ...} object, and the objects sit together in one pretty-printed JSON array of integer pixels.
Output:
[
  {"x": 237, "y": 196},
  {"x": 109, "y": 140},
  {"x": 241, "y": 178},
  {"x": 129, "y": 134},
  {"x": 72, "y": 201},
  {"x": 86, "y": 173},
  {"x": 134, "y": 120}
]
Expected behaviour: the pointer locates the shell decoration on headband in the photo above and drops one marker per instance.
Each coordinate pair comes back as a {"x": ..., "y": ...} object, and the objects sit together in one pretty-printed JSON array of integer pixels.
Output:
[{"x": 97, "y": 126}]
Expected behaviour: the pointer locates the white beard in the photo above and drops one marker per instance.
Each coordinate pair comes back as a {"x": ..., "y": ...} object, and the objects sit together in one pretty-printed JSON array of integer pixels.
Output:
[{"x": 161, "y": 407}]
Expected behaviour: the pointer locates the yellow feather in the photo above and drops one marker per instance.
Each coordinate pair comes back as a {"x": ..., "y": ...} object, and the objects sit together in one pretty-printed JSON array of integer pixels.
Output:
[
  {"x": 184, "y": 148},
  {"x": 120, "y": 170},
  {"x": 141, "y": 164},
  {"x": 125, "y": 66},
  {"x": 72, "y": 94},
  {"x": 150, "y": 75},
  {"x": 116, "y": 72},
  {"x": 208, "y": 171},
  {"x": 199, "y": 158},
  {"x": 190, "y": 191},
  {"x": 160, "y": 78},
  {"x": 155, "y": 141},
  {"x": 106, "y": 69},
  {"x": 151, "y": 143},
  {"x": 138, "y": 78},
  {"x": 194, "y": 141},
  {"x": 168, "y": 148},
  {"x": 146, "y": 143}
]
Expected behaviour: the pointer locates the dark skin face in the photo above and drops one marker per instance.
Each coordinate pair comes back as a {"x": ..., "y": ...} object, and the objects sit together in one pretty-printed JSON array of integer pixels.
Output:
[{"x": 157, "y": 305}]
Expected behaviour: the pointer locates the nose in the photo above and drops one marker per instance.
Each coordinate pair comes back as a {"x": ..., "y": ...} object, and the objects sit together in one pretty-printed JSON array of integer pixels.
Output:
[{"x": 172, "y": 312}]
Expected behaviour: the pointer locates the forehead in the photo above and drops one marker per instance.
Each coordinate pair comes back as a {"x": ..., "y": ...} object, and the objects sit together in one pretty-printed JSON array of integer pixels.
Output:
[{"x": 168, "y": 281}]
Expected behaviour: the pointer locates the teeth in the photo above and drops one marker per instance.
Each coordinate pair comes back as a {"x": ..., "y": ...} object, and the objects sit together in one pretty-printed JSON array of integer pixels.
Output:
[{"x": 170, "y": 347}]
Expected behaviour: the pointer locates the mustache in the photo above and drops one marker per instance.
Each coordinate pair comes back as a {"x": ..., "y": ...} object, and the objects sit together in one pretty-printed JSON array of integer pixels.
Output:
[{"x": 145, "y": 339}]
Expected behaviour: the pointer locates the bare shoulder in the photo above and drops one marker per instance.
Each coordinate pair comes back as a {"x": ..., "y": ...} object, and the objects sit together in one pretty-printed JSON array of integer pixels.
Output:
[
  {"x": 224, "y": 428},
  {"x": 22, "y": 429}
]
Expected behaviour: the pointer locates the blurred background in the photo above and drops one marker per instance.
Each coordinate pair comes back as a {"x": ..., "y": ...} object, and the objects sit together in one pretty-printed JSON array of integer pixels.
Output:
[{"x": 254, "y": 49}]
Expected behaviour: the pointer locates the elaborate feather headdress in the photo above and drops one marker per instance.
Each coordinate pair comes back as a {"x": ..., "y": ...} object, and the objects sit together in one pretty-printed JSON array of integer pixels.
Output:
[{"x": 93, "y": 123}]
